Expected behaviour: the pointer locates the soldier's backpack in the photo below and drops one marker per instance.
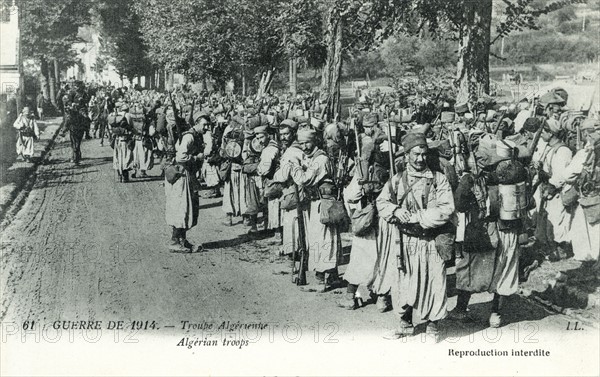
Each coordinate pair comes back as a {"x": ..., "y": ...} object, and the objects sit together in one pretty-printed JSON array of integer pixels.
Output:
[
  {"x": 138, "y": 118},
  {"x": 115, "y": 121},
  {"x": 161, "y": 121}
]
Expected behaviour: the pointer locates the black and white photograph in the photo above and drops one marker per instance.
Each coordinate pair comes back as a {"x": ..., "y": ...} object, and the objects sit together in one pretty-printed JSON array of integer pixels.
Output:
[{"x": 299, "y": 187}]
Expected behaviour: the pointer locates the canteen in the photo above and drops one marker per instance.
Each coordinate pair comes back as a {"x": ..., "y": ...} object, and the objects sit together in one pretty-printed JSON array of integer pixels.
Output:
[
  {"x": 256, "y": 146},
  {"x": 233, "y": 149},
  {"x": 513, "y": 201}
]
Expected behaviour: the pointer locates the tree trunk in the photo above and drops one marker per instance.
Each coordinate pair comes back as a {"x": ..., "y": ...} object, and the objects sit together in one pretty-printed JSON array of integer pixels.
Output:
[
  {"x": 44, "y": 77},
  {"x": 473, "y": 68},
  {"x": 161, "y": 79},
  {"x": 330, "y": 79},
  {"x": 243, "y": 83},
  {"x": 52, "y": 84},
  {"x": 56, "y": 73},
  {"x": 169, "y": 80},
  {"x": 294, "y": 76},
  {"x": 204, "y": 83}
]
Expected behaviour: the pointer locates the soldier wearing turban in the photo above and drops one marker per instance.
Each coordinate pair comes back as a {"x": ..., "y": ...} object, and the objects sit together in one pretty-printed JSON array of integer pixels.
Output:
[{"x": 419, "y": 198}]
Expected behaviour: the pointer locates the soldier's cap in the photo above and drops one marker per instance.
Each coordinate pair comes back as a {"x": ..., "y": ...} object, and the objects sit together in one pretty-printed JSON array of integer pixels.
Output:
[
  {"x": 552, "y": 98},
  {"x": 306, "y": 134},
  {"x": 370, "y": 120},
  {"x": 532, "y": 124},
  {"x": 289, "y": 124},
  {"x": 198, "y": 115},
  {"x": 561, "y": 93},
  {"x": 413, "y": 139},
  {"x": 589, "y": 124},
  {"x": 261, "y": 130}
]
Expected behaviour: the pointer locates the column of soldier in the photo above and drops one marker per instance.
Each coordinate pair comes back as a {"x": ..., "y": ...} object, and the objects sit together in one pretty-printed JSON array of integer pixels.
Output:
[{"x": 470, "y": 187}]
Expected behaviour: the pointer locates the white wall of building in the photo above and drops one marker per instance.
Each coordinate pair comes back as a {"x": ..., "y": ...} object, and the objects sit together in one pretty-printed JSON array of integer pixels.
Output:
[{"x": 9, "y": 53}]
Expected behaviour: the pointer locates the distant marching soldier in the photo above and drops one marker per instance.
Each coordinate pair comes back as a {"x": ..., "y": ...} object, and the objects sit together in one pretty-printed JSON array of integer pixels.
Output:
[
  {"x": 121, "y": 129},
  {"x": 28, "y": 131},
  {"x": 209, "y": 171},
  {"x": 232, "y": 190},
  {"x": 250, "y": 199},
  {"x": 143, "y": 158}
]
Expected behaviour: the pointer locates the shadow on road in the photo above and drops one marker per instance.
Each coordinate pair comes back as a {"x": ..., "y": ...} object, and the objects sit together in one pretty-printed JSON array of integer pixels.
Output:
[
  {"x": 519, "y": 320},
  {"x": 238, "y": 240},
  {"x": 211, "y": 205}
]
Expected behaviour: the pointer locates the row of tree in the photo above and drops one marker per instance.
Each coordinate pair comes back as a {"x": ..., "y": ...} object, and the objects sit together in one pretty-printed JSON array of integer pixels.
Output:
[
  {"x": 222, "y": 40},
  {"x": 48, "y": 31}
]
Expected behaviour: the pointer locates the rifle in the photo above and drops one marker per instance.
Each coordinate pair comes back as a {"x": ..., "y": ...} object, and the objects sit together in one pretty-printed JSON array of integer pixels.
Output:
[
  {"x": 287, "y": 112},
  {"x": 300, "y": 279},
  {"x": 579, "y": 144},
  {"x": 400, "y": 255},
  {"x": 497, "y": 126},
  {"x": 177, "y": 118},
  {"x": 341, "y": 169},
  {"x": 534, "y": 142},
  {"x": 358, "y": 159},
  {"x": 382, "y": 99},
  {"x": 192, "y": 112},
  {"x": 389, "y": 137}
]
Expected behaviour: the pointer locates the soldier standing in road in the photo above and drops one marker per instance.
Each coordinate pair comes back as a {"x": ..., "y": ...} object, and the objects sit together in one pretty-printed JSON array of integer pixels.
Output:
[
  {"x": 424, "y": 198},
  {"x": 232, "y": 189},
  {"x": 121, "y": 129},
  {"x": 143, "y": 158},
  {"x": 369, "y": 178},
  {"x": 324, "y": 242},
  {"x": 490, "y": 261},
  {"x": 181, "y": 187},
  {"x": 556, "y": 221},
  {"x": 267, "y": 164},
  {"x": 291, "y": 159}
]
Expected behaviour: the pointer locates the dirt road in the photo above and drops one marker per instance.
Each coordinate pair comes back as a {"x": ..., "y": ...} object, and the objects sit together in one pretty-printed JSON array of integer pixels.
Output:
[{"x": 87, "y": 248}]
